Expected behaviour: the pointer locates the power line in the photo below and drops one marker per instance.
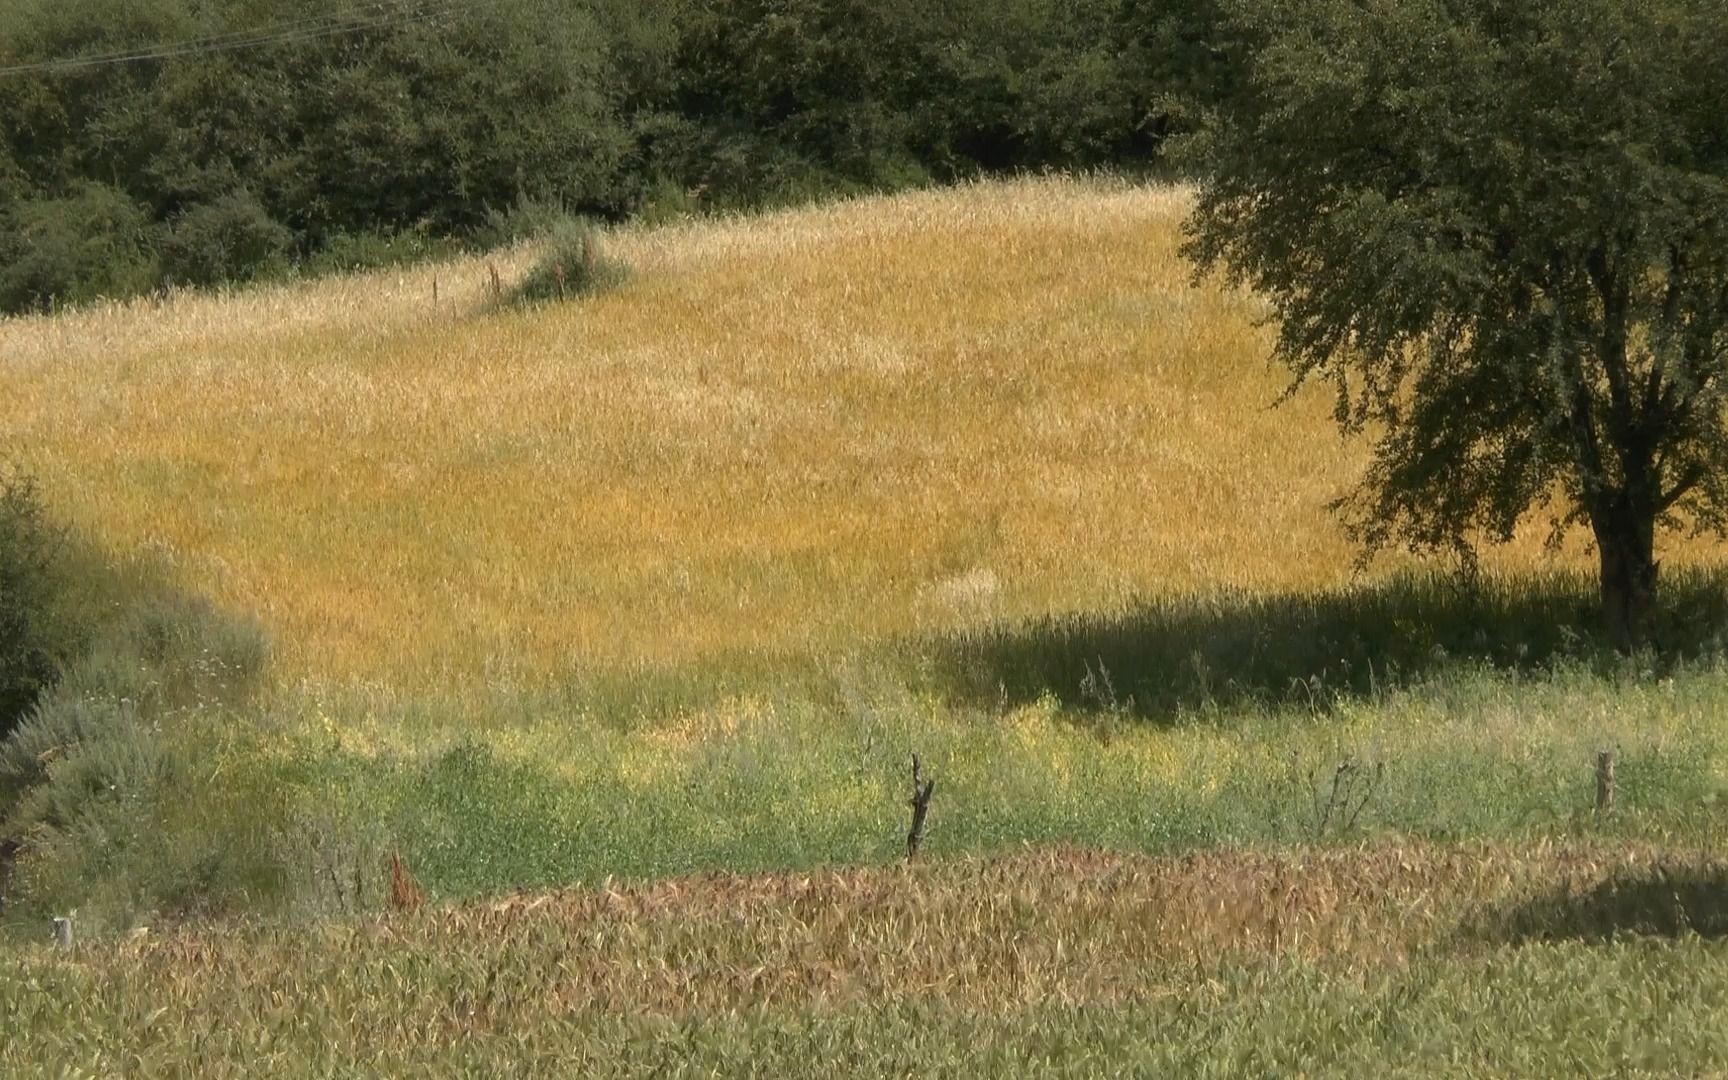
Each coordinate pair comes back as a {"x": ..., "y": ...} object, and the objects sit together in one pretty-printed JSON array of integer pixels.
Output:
[
  {"x": 291, "y": 32},
  {"x": 291, "y": 26},
  {"x": 369, "y": 14}
]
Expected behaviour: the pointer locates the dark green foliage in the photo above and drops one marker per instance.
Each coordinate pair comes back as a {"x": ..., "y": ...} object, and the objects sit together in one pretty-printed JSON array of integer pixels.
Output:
[
  {"x": 230, "y": 239},
  {"x": 112, "y": 679},
  {"x": 351, "y": 252},
  {"x": 107, "y": 784},
  {"x": 94, "y": 242},
  {"x": 70, "y": 754},
  {"x": 1499, "y": 231},
  {"x": 164, "y": 654},
  {"x": 36, "y": 637},
  {"x": 779, "y": 99},
  {"x": 423, "y": 118},
  {"x": 527, "y": 218}
]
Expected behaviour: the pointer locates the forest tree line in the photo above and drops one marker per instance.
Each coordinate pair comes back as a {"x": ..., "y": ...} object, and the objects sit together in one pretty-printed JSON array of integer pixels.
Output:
[{"x": 328, "y": 133}]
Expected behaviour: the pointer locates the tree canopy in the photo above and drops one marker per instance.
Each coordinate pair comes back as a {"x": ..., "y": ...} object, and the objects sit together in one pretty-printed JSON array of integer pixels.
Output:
[
  {"x": 1498, "y": 229},
  {"x": 233, "y": 120}
]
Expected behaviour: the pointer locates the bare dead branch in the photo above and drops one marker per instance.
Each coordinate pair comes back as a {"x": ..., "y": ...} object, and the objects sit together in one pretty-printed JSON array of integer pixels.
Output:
[{"x": 920, "y": 803}]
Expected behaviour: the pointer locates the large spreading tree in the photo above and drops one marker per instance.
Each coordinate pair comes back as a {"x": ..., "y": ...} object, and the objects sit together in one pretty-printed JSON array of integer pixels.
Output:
[{"x": 1499, "y": 230}]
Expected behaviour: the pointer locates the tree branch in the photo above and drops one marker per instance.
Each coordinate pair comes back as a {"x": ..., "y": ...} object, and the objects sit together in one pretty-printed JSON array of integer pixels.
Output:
[
  {"x": 1691, "y": 478},
  {"x": 1612, "y": 349}
]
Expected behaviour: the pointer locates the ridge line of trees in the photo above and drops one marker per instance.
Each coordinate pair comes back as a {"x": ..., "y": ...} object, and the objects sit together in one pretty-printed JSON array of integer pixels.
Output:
[{"x": 469, "y": 120}]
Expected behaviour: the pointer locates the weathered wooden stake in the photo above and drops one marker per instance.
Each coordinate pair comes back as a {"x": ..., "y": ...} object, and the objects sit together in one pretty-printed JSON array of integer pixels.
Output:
[
  {"x": 1604, "y": 779},
  {"x": 8, "y": 857},
  {"x": 434, "y": 290},
  {"x": 405, "y": 892},
  {"x": 63, "y": 932},
  {"x": 920, "y": 803},
  {"x": 558, "y": 278},
  {"x": 497, "y": 284}
]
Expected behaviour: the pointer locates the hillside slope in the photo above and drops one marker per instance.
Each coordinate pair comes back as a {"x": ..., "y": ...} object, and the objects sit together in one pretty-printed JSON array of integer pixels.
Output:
[
  {"x": 798, "y": 432},
  {"x": 807, "y": 429}
]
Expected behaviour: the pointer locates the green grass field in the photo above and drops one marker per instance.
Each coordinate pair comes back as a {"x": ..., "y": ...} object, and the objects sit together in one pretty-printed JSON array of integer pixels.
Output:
[{"x": 619, "y": 621}]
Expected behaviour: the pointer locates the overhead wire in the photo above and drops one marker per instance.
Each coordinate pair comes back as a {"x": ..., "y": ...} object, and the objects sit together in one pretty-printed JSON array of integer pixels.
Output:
[
  {"x": 312, "y": 28},
  {"x": 289, "y": 26}
]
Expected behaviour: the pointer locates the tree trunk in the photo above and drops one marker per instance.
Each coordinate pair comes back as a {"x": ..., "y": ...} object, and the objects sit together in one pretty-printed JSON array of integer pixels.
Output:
[{"x": 1626, "y": 543}]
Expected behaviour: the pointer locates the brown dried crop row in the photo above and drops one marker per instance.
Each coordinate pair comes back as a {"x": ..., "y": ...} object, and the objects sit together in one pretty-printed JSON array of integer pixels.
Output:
[{"x": 1043, "y": 924}]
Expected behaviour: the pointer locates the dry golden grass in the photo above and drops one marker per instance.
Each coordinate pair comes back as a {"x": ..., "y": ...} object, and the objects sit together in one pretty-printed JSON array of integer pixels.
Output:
[{"x": 803, "y": 431}]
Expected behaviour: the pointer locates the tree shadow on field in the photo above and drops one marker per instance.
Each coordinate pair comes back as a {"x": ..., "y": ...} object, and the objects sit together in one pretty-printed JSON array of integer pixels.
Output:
[
  {"x": 1663, "y": 901},
  {"x": 1158, "y": 661}
]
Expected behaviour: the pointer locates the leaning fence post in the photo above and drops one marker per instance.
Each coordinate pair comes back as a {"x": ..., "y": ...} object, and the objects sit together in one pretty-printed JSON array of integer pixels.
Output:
[
  {"x": 63, "y": 931},
  {"x": 1604, "y": 779}
]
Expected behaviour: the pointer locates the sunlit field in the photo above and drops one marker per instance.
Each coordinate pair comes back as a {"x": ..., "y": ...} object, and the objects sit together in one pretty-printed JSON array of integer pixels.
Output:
[
  {"x": 618, "y": 620},
  {"x": 798, "y": 433}
]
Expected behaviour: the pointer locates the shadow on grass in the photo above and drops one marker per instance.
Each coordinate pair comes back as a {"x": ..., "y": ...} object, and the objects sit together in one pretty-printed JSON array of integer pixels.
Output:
[
  {"x": 1160, "y": 661},
  {"x": 1665, "y": 901}
]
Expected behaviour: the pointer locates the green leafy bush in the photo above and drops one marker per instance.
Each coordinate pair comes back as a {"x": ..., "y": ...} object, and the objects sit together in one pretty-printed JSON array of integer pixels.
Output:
[
  {"x": 419, "y": 126},
  {"x": 101, "y": 770},
  {"x": 37, "y": 636},
  {"x": 166, "y": 657},
  {"x": 527, "y": 218},
  {"x": 68, "y": 752},
  {"x": 230, "y": 240},
  {"x": 95, "y": 242}
]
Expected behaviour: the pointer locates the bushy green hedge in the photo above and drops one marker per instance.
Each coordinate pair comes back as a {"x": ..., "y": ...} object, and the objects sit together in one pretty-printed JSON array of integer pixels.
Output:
[
  {"x": 93, "y": 242},
  {"x": 39, "y": 633},
  {"x": 96, "y": 780},
  {"x": 231, "y": 239}
]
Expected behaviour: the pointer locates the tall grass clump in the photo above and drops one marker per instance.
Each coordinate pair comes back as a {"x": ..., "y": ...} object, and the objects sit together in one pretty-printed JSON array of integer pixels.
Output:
[{"x": 572, "y": 266}]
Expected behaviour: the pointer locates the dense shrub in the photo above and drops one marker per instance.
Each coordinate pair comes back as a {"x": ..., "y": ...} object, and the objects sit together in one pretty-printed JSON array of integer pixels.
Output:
[
  {"x": 132, "y": 735},
  {"x": 37, "y": 634},
  {"x": 117, "y": 688},
  {"x": 527, "y": 218},
  {"x": 161, "y": 653},
  {"x": 231, "y": 239},
  {"x": 92, "y": 243}
]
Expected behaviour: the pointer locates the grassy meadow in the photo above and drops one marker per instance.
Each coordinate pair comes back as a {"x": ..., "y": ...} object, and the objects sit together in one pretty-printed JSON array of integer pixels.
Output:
[
  {"x": 801, "y": 433},
  {"x": 620, "y": 618}
]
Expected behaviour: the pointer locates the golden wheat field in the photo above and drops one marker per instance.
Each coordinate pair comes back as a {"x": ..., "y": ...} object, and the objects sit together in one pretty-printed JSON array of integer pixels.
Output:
[
  {"x": 794, "y": 432},
  {"x": 800, "y": 436}
]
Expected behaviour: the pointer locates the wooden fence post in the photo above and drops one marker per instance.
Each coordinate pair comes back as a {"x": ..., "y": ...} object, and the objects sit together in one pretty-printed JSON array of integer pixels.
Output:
[{"x": 1604, "y": 780}]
